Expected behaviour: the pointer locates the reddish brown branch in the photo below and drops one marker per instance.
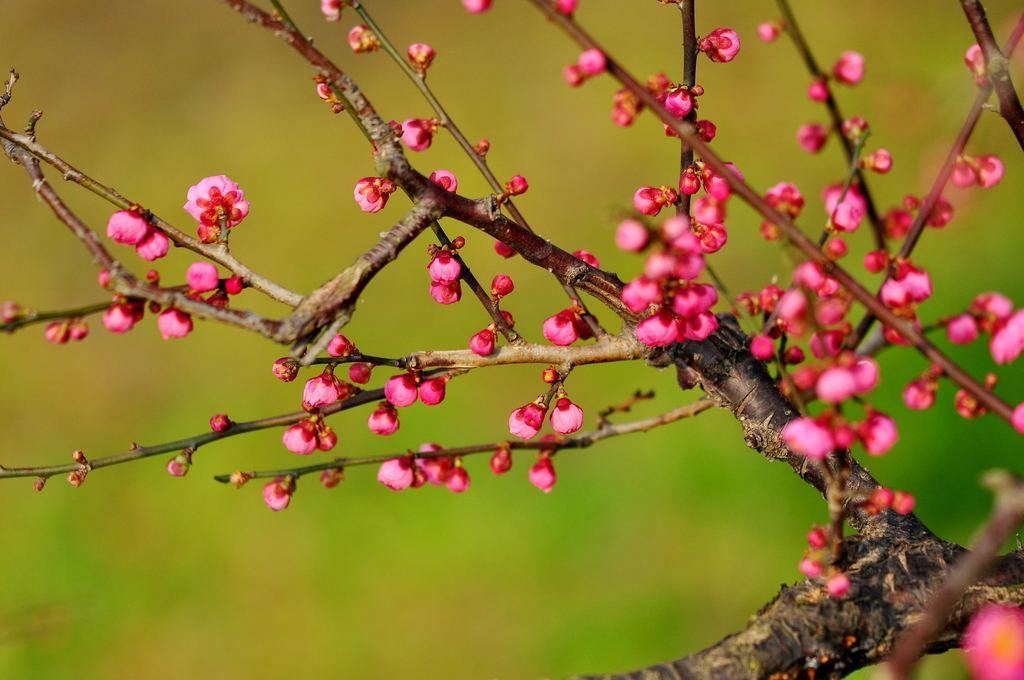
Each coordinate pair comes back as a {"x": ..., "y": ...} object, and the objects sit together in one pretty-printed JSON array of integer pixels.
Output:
[{"x": 997, "y": 67}]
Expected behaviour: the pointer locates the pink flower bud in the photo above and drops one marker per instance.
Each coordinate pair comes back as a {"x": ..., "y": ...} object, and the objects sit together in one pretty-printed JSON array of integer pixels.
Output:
[
  {"x": 121, "y": 318},
  {"x": 202, "y": 277},
  {"x": 446, "y": 180},
  {"x": 990, "y": 171},
  {"x": 400, "y": 390},
  {"x": 962, "y": 329},
  {"x": 812, "y": 569},
  {"x": 812, "y": 137},
  {"x": 836, "y": 385},
  {"x": 762, "y": 347},
  {"x": 57, "y": 332},
  {"x": 384, "y": 420},
  {"x": 501, "y": 461},
  {"x": 689, "y": 182},
  {"x": 285, "y": 369},
  {"x": 768, "y": 31},
  {"x": 220, "y": 422},
  {"x": 476, "y": 6},
  {"x": 566, "y": 417},
  {"x": 919, "y": 394},
  {"x": 849, "y": 70},
  {"x": 566, "y": 7},
  {"x": 587, "y": 257},
  {"x": 482, "y": 343},
  {"x": 838, "y": 585},
  {"x": 817, "y": 538},
  {"x": 903, "y": 503},
  {"x": 360, "y": 373},
  {"x": 278, "y": 493},
  {"x": 878, "y": 433},
  {"x": 592, "y": 62},
  {"x": 418, "y": 133},
  {"x": 817, "y": 91},
  {"x": 432, "y": 391},
  {"x": 340, "y": 346},
  {"x": 679, "y": 102},
  {"x": 127, "y": 227},
  {"x": 331, "y": 9},
  {"x": 153, "y": 246},
  {"x": 879, "y": 161},
  {"x": 560, "y": 329},
  {"x": 502, "y": 285},
  {"x": 503, "y": 249},
  {"x": 300, "y": 438},
  {"x": 459, "y": 480},
  {"x": 964, "y": 173},
  {"x": 721, "y": 45},
  {"x": 361, "y": 39},
  {"x": 632, "y": 236},
  {"x": 174, "y": 324},
  {"x": 444, "y": 268},
  {"x": 525, "y": 422},
  {"x": 542, "y": 474},
  {"x": 396, "y": 474},
  {"x": 808, "y": 437},
  {"x": 517, "y": 185},
  {"x": 372, "y": 193},
  {"x": 573, "y": 75},
  {"x": 1017, "y": 419},
  {"x": 657, "y": 330},
  {"x": 421, "y": 56},
  {"x": 332, "y": 477},
  {"x": 1007, "y": 343},
  {"x": 875, "y": 261},
  {"x": 446, "y": 293},
  {"x": 640, "y": 293},
  {"x": 650, "y": 200},
  {"x": 179, "y": 465}
]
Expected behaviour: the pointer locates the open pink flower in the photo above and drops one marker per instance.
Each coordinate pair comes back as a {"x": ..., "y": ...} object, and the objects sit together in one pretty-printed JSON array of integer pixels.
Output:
[
  {"x": 217, "y": 199},
  {"x": 542, "y": 474},
  {"x": 974, "y": 57},
  {"x": 278, "y": 493},
  {"x": 174, "y": 324},
  {"x": 721, "y": 45},
  {"x": 994, "y": 643},
  {"x": 396, "y": 474},
  {"x": 566, "y": 417},
  {"x": 372, "y": 193}
]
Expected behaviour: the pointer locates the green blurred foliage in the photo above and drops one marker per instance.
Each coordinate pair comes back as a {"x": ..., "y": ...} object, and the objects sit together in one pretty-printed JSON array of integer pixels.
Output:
[{"x": 649, "y": 547}]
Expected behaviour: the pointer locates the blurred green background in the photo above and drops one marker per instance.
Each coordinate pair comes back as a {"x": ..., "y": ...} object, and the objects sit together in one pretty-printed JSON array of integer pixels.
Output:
[{"x": 649, "y": 547}]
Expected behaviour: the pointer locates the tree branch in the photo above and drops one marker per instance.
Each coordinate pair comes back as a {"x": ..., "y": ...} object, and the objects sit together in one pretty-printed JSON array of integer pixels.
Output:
[{"x": 998, "y": 67}]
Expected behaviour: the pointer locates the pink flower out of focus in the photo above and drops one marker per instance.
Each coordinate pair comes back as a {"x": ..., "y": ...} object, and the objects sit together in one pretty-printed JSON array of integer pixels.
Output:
[
  {"x": 542, "y": 474},
  {"x": 808, "y": 437},
  {"x": 476, "y": 6},
  {"x": 994, "y": 643},
  {"x": 202, "y": 277},
  {"x": 278, "y": 493},
  {"x": 174, "y": 324},
  {"x": 849, "y": 69}
]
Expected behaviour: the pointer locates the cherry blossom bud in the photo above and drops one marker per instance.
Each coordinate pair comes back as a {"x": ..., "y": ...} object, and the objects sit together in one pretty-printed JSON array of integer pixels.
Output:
[
  {"x": 501, "y": 460},
  {"x": 762, "y": 347},
  {"x": 573, "y": 75},
  {"x": 11, "y": 311},
  {"x": 127, "y": 227},
  {"x": 174, "y": 324},
  {"x": 78, "y": 330},
  {"x": 721, "y": 45},
  {"x": 121, "y": 317},
  {"x": 340, "y": 346},
  {"x": 657, "y": 330},
  {"x": 444, "y": 267},
  {"x": 974, "y": 57},
  {"x": 372, "y": 193},
  {"x": 459, "y": 480},
  {"x": 502, "y": 285},
  {"x": 179, "y": 465},
  {"x": 432, "y": 391},
  {"x": 849, "y": 70},
  {"x": 836, "y": 385},
  {"x": 990, "y": 171},
  {"x": 525, "y": 422},
  {"x": 418, "y": 133},
  {"x": 876, "y": 260},
  {"x": 812, "y": 137},
  {"x": 476, "y": 6},
  {"x": 517, "y": 185},
  {"x": 809, "y": 438},
  {"x": 903, "y": 503},
  {"x": 964, "y": 173},
  {"x": 323, "y": 390},
  {"x": 962, "y": 329},
  {"x": 878, "y": 433},
  {"x": 879, "y": 161},
  {"x": 632, "y": 236},
  {"x": 504, "y": 249},
  {"x": 301, "y": 438},
  {"x": 650, "y": 200},
  {"x": 214, "y": 200},
  {"x": 421, "y": 56},
  {"x": 445, "y": 179},
  {"x": 817, "y": 91},
  {"x": 566, "y": 417},
  {"x": 331, "y": 9},
  {"x": 446, "y": 293},
  {"x": 360, "y": 373},
  {"x": 332, "y": 477},
  {"x": 592, "y": 62},
  {"x": 234, "y": 285},
  {"x": 220, "y": 422},
  {"x": 384, "y": 420},
  {"x": 482, "y": 343},
  {"x": 566, "y": 7},
  {"x": 285, "y": 369},
  {"x": 768, "y": 31},
  {"x": 362, "y": 39},
  {"x": 845, "y": 215},
  {"x": 689, "y": 182},
  {"x": 542, "y": 474},
  {"x": 1017, "y": 419},
  {"x": 812, "y": 569},
  {"x": 640, "y": 293},
  {"x": 560, "y": 329},
  {"x": 154, "y": 246},
  {"x": 396, "y": 474},
  {"x": 679, "y": 102},
  {"x": 587, "y": 257},
  {"x": 817, "y": 538},
  {"x": 202, "y": 277},
  {"x": 57, "y": 332},
  {"x": 1007, "y": 343},
  {"x": 919, "y": 394},
  {"x": 838, "y": 585},
  {"x": 400, "y": 390},
  {"x": 278, "y": 493}
]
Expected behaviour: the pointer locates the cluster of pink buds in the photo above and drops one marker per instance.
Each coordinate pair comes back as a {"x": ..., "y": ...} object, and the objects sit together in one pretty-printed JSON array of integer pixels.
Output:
[
  {"x": 721, "y": 45},
  {"x": 418, "y": 133},
  {"x": 985, "y": 171},
  {"x": 129, "y": 227},
  {"x": 819, "y": 436},
  {"x": 882, "y": 499},
  {"x": 362, "y": 39},
  {"x": 309, "y": 435},
  {"x": 787, "y": 199},
  {"x": 404, "y": 389},
  {"x": 899, "y": 220},
  {"x": 813, "y": 564},
  {"x": 414, "y": 471},
  {"x": 60, "y": 332},
  {"x": 372, "y": 193},
  {"x": 421, "y": 56},
  {"x": 217, "y": 203},
  {"x": 445, "y": 269},
  {"x": 591, "y": 63},
  {"x": 993, "y": 314}
]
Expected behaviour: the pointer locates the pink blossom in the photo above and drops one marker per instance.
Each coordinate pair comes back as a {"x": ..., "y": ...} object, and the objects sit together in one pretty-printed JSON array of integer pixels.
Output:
[
  {"x": 127, "y": 227},
  {"x": 699, "y": 327},
  {"x": 903, "y": 503},
  {"x": 838, "y": 585},
  {"x": 362, "y": 39},
  {"x": 396, "y": 474},
  {"x": 650, "y": 200},
  {"x": 974, "y": 57},
  {"x": 1007, "y": 343},
  {"x": 220, "y": 422},
  {"x": 421, "y": 56},
  {"x": 501, "y": 460},
  {"x": 994, "y": 643},
  {"x": 179, "y": 465},
  {"x": 400, "y": 390},
  {"x": 808, "y": 437},
  {"x": 300, "y": 438},
  {"x": 323, "y": 390},
  {"x": 995, "y": 305},
  {"x": 878, "y": 433},
  {"x": 502, "y": 285},
  {"x": 657, "y": 330},
  {"x": 360, "y": 373},
  {"x": 786, "y": 198},
  {"x": 217, "y": 199},
  {"x": 592, "y": 62},
  {"x": 850, "y": 68},
  {"x": 990, "y": 171},
  {"x": 717, "y": 185},
  {"x": 525, "y": 422},
  {"x": 154, "y": 246},
  {"x": 566, "y": 417},
  {"x": 432, "y": 391},
  {"x": 446, "y": 180},
  {"x": 632, "y": 236},
  {"x": 477, "y": 6},
  {"x": 812, "y": 137},
  {"x": 566, "y": 7},
  {"x": 694, "y": 299},
  {"x": 517, "y": 185},
  {"x": 679, "y": 102},
  {"x": 174, "y": 324},
  {"x": 560, "y": 329},
  {"x": 919, "y": 394},
  {"x": 768, "y": 31},
  {"x": 865, "y": 374},
  {"x": 202, "y": 277},
  {"x": 446, "y": 293},
  {"x": 962, "y": 329},
  {"x": 418, "y": 133},
  {"x": 848, "y": 214},
  {"x": 964, "y": 173},
  {"x": 792, "y": 310},
  {"x": 340, "y": 346},
  {"x": 817, "y": 91},
  {"x": 587, "y": 257},
  {"x": 640, "y": 293},
  {"x": 436, "y": 469},
  {"x": 817, "y": 538},
  {"x": 835, "y": 385},
  {"x": 331, "y": 9},
  {"x": 278, "y": 493},
  {"x": 721, "y": 45},
  {"x": 812, "y": 569},
  {"x": 1017, "y": 419},
  {"x": 57, "y": 332},
  {"x": 762, "y": 347},
  {"x": 444, "y": 268},
  {"x": 285, "y": 369},
  {"x": 121, "y": 317},
  {"x": 482, "y": 343},
  {"x": 372, "y": 193},
  {"x": 542, "y": 474},
  {"x": 384, "y": 420},
  {"x": 459, "y": 480}
]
